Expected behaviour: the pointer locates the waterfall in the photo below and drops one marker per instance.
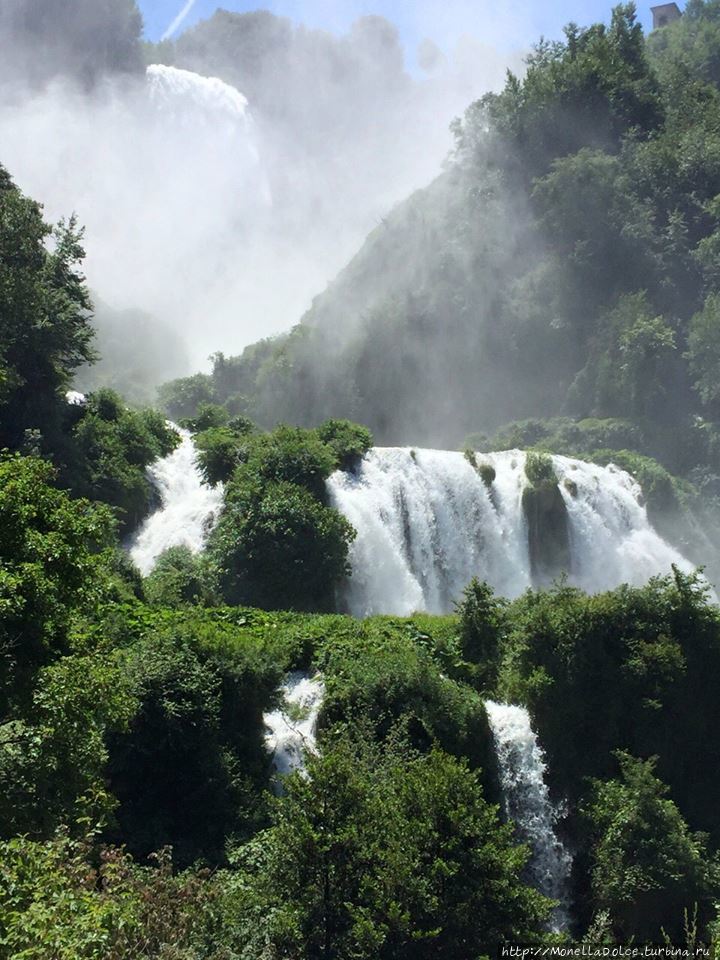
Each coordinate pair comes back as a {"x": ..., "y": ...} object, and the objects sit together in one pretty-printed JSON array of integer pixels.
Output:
[
  {"x": 427, "y": 523},
  {"x": 291, "y": 729},
  {"x": 526, "y": 802},
  {"x": 182, "y": 96},
  {"x": 187, "y": 506}
]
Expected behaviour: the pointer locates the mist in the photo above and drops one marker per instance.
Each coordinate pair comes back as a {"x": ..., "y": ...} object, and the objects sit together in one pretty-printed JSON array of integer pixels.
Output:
[{"x": 221, "y": 207}]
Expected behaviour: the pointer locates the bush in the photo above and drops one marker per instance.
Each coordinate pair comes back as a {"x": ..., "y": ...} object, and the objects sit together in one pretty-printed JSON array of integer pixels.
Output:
[
  {"x": 190, "y": 768},
  {"x": 622, "y": 670},
  {"x": 348, "y": 441},
  {"x": 383, "y": 854},
  {"x": 184, "y": 397},
  {"x": 51, "y": 567},
  {"x": 276, "y": 546},
  {"x": 292, "y": 455},
  {"x": 481, "y": 625},
  {"x": 71, "y": 900},
  {"x": 178, "y": 578},
  {"x": 539, "y": 469},
  {"x": 110, "y": 447},
  {"x": 648, "y": 870},
  {"x": 379, "y": 677},
  {"x": 208, "y": 415},
  {"x": 219, "y": 451}
]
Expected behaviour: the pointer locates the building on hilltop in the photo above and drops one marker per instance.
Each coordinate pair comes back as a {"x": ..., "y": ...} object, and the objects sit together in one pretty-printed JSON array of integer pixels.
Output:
[{"x": 664, "y": 14}]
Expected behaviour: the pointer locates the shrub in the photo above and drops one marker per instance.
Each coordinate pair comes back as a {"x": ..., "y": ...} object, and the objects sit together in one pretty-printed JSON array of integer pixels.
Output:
[
  {"x": 348, "y": 441},
  {"x": 276, "y": 546},
  {"x": 647, "y": 869},
  {"x": 539, "y": 469},
  {"x": 178, "y": 578},
  {"x": 481, "y": 624},
  {"x": 184, "y": 397},
  {"x": 291, "y": 455}
]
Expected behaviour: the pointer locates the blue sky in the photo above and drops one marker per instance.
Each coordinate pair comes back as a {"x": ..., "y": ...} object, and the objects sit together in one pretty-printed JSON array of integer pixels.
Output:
[{"x": 511, "y": 25}]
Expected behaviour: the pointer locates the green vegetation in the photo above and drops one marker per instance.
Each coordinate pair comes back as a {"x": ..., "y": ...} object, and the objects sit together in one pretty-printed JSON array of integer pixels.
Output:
[
  {"x": 107, "y": 449},
  {"x": 539, "y": 470},
  {"x": 100, "y": 448},
  {"x": 646, "y": 865},
  {"x": 278, "y": 544},
  {"x": 596, "y": 316}
]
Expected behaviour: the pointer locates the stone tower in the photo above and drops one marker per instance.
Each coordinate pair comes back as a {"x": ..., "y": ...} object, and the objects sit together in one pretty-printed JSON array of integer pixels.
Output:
[{"x": 665, "y": 14}]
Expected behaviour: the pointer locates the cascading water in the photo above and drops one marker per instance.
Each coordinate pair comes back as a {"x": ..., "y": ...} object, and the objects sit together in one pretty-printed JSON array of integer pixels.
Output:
[
  {"x": 427, "y": 523},
  {"x": 187, "y": 506},
  {"x": 526, "y": 802},
  {"x": 291, "y": 729}
]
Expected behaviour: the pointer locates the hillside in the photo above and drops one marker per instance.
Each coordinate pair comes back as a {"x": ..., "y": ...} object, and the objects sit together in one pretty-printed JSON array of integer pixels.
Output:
[{"x": 563, "y": 265}]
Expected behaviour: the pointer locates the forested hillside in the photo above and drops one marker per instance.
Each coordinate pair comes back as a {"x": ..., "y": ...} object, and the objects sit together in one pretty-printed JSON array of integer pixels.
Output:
[{"x": 565, "y": 265}]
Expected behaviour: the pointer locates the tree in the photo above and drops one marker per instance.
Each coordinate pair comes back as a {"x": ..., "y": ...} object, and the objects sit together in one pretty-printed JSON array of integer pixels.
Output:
[
  {"x": 51, "y": 567},
  {"x": 189, "y": 767},
  {"x": 482, "y": 624},
  {"x": 387, "y": 855},
  {"x": 106, "y": 450},
  {"x": 45, "y": 330},
  {"x": 647, "y": 867},
  {"x": 177, "y": 579},
  {"x": 276, "y": 546},
  {"x": 704, "y": 353}
]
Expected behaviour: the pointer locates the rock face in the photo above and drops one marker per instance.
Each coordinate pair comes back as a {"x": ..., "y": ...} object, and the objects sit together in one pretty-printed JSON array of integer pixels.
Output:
[{"x": 548, "y": 532}]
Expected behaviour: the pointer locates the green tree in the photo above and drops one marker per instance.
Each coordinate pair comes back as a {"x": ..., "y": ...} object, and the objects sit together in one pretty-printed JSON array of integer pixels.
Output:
[
  {"x": 45, "y": 330},
  {"x": 481, "y": 626},
  {"x": 648, "y": 869},
  {"x": 189, "y": 767},
  {"x": 51, "y": 567},
  {"x": 704, "y": 353},
  {"x": 107, "y": 449},
  {"x": 276, "y": 546},
  {"x": 179, "y": 578},
  {"x": 390, "y": 856}
]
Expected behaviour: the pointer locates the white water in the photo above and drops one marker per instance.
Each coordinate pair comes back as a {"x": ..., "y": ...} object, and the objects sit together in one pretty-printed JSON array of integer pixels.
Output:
[
  {"x": 291, "y": 730},
  {"x": 427, "y": 524},
  {"x": 526, "y": 802},
  {"x": 187, "y": 507}
]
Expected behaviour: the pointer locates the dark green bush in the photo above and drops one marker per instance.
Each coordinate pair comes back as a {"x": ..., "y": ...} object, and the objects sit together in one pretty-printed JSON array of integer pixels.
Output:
[
  {"x": 348, "y": 441},
  {"x": 276, "y": 546},
  {"x": 178, "y": 578},
  {"x": 539, "y": 469},
  {"x": 647, "y": 869}
]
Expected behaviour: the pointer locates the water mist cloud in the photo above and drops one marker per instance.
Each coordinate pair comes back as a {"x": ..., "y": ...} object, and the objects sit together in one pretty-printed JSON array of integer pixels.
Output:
[{"x": 227, "y": 229}]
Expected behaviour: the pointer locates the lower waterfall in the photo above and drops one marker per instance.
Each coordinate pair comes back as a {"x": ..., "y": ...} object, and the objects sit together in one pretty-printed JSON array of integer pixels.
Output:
[
  {"x": 291, "y": 728},
  {"x": 526, "y": 802},
  {"x": 427, "y": 521},
  {"x": 187, "y": 507}
]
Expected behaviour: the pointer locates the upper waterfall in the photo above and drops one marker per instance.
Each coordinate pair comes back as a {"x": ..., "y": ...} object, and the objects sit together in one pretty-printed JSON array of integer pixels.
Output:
[{"x": 427, "y": 523}]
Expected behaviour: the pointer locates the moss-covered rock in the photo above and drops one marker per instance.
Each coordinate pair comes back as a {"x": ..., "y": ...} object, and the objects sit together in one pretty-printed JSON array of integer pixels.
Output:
[{"x": 546, "y": 516}]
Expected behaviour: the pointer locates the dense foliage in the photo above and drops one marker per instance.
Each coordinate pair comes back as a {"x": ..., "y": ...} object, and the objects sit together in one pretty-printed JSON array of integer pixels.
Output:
[
  {"x": 100, "y": 447},
  {"x": 278, "y": 543}
]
